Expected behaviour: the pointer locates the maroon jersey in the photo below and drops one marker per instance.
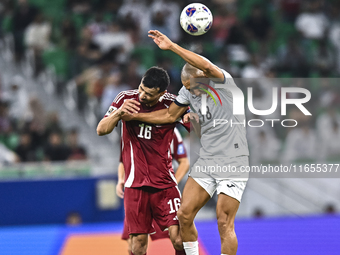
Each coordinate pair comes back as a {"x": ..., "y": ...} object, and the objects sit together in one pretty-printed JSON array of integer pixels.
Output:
[
  {"x": 146, "y": 147},
  {"x": 177, "y": 147}
]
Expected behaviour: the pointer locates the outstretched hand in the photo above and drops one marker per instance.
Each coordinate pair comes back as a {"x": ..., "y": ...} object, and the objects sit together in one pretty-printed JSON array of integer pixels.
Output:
[{"x": 160, "y": 39}]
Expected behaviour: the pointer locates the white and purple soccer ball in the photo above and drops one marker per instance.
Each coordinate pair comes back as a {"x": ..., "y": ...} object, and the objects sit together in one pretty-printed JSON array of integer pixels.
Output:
[{"x": 196, "y": 19}]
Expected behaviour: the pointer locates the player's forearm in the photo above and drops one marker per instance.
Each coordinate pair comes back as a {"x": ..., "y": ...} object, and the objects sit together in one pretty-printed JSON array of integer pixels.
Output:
[
  {"x": 106, "y": 125},
  {"x": 192, "y": 58},
  {"x": 197, "y": 127},
  {"x": 158, "y": 117},
  {"x": 182, "y": 169},
  {"x": 121, "y": 172}
]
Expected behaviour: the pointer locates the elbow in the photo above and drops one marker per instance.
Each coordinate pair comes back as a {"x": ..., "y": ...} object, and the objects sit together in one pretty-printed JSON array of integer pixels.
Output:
[
  {"x": 209, "y": 68},
  {"x": 186, "y": 163},
  {"x": 100, "y": 131}
]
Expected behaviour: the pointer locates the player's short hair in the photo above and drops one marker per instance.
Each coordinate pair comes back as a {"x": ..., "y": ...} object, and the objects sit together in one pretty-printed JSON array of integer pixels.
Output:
[
  {"x": 156, "y": 77},
  {"x": 189, "y": 71}
]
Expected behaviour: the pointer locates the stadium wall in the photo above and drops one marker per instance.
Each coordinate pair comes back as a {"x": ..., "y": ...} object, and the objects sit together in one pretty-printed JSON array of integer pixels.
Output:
[{"x": 50, "y": 201}]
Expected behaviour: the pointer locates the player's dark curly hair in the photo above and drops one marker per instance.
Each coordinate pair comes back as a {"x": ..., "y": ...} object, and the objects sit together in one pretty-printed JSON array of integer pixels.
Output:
[{"x": 156, "y": 77}]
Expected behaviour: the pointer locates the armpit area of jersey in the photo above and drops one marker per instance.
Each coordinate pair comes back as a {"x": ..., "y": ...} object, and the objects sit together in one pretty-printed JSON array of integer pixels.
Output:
[{"x": 179, "y": 104}]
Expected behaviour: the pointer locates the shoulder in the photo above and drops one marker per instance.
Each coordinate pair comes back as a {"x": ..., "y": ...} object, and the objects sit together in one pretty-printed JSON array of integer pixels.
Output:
[
  {"x": 227, "y": 76},
  {"x": 183, "y": 91},
  {"x": 126, "y": 94},
  {"x": 168, "y": 97}
]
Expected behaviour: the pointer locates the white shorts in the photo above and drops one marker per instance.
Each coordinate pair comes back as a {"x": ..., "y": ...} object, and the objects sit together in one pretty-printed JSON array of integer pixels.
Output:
[{"x": 211, "y": 181}]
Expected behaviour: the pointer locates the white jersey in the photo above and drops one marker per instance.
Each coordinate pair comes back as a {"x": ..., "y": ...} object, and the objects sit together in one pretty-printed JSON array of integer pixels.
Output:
[{"x": 223, "y": 135}]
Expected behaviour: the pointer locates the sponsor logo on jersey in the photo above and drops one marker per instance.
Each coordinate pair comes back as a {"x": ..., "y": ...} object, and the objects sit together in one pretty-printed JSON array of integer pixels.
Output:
[
  {"x": 111, "y": 109},
  {"x": 180, "y": 149}
]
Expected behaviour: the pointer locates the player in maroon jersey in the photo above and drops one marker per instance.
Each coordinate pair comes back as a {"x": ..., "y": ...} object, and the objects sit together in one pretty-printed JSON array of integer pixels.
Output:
[
  {"x": 179, "y": 154},
  {"x": 151, "y": 191}
]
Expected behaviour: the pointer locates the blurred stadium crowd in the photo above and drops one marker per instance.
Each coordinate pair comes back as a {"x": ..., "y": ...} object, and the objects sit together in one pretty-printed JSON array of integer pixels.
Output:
[{"x": 103, "y": 46}]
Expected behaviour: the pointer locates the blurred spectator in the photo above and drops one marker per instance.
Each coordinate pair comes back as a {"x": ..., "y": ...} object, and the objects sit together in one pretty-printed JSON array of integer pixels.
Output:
[
  {"x": 76, "y": 152},
  {"x": 37, "y": 123},
  {"x": 265, "y": 147},
  {"x": 17, "y": 98},
  {"x": 164, "y": 17},
  {"x": 66, "y": 35},
  {"x": 132, "y": 74},
  {"x": 253, "y": 69},
  {"x": 174, "y": 74},
  {"x": 326, "y": 122},
  {"x": 87, "y": 52},
  {"x": 327, "y": 93},
  {"x": 25, "y": 150},
  {"x": 107, "y": 68},
  {"x": 258, "y": 25},
  {"x": 80, "y": 6},
  {"x": 5, "y": 122},
  {"x": 112, "y": 88},
  {"x": 97, "y": 25},
  {"x": 131, "y": 27},
  {"x": 55, "y": 150},
  {"x": 237, "y": 35},
  {"x": 223, "y": 21},
  {"x": 114, "y": 37},
  {"x": 334, "y": 37},
  {"x": 291, "y": 58},
  {"x": 7, "y": 156},
  {"x": 329, "y": 143},
  {"x": 74, "y": 219},
  {"x": 37, "y": 38},
  {"x": 23, "y": 15},
  {"x": 53, "y": 124},
  {"x": 225, "y": 63},
  {"x": 37, "y": 34},
  {"x": 139, "y": 12},
  {"x": 312, "y": 23},
  {"x": 290, "y": 9},
  {"x": 323, "y": 59},
  {"x": 301, "y": 143}
]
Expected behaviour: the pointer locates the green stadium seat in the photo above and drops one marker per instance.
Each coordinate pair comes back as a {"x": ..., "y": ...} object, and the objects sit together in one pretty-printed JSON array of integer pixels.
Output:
[
  {"x": 59, "y": 58},
  {"x": 7, "y": 24}
]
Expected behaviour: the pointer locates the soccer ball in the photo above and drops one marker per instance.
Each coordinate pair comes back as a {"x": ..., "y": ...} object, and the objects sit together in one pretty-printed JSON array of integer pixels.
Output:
[{"x": 196, "y": 19}]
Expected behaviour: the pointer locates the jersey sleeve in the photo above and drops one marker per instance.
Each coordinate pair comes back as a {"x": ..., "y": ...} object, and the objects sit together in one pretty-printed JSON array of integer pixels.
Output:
[
  {"x": 117, "y": 103},
  {"x": 183, "y": 98},
  {"x": 178, "y": 146}
]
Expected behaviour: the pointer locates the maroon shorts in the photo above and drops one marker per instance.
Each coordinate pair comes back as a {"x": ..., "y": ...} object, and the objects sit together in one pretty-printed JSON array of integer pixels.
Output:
[
  {"x": 143, "y": 205},
  {"x": 159, "y": 234}
]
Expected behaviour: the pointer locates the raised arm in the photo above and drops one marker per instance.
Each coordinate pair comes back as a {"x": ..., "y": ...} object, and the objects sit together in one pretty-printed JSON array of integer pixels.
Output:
[
  {"x": 163, "y": 116},
  {"x": 164, "y": 43}
]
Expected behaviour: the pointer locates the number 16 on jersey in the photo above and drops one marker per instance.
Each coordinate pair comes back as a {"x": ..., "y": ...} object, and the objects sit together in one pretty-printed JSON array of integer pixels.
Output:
[{"x": 145, "y": 131}]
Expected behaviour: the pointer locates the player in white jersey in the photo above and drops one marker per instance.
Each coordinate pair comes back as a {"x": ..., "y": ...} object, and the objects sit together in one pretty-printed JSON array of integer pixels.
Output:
[{"x": 223, "y": 139}]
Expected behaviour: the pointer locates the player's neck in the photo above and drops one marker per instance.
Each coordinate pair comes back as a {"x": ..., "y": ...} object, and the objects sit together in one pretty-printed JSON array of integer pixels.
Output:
[{"x": 151, "y": 104}]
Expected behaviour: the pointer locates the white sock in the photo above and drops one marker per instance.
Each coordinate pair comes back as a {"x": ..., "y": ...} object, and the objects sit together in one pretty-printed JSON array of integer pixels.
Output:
[{"x": 191, "y": 248}]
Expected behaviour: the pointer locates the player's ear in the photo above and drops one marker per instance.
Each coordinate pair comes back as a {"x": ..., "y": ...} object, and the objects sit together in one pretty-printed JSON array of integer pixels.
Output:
[{"x": 162, "y": 93}]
